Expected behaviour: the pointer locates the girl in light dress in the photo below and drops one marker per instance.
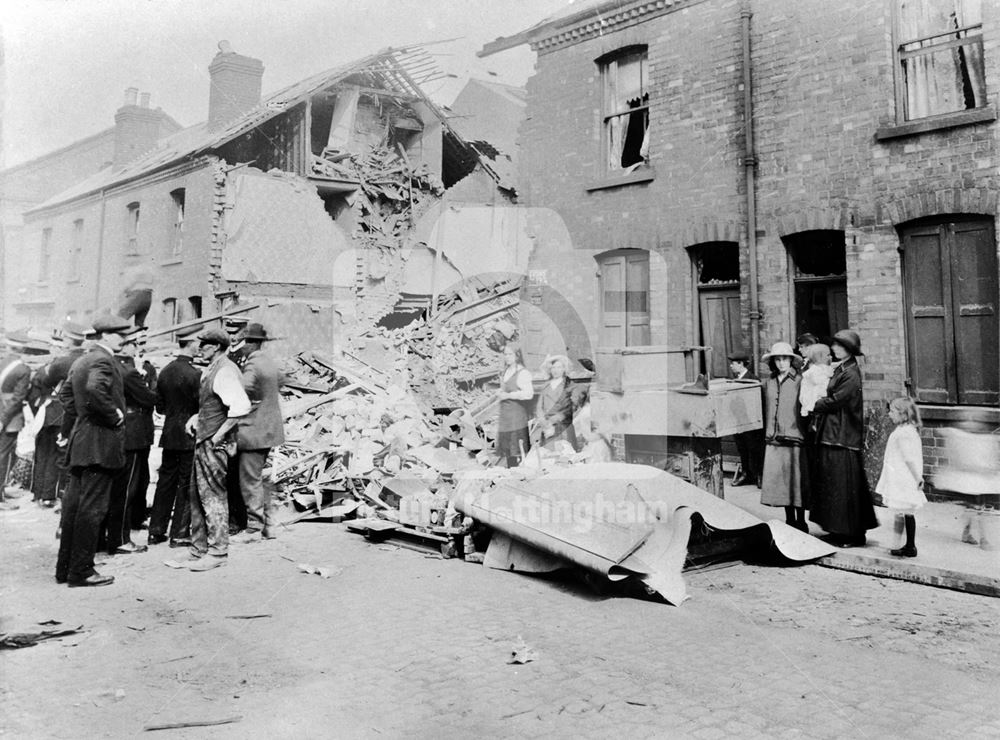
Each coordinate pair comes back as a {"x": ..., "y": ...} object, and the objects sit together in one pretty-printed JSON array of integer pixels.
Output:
[{"x": 901, "y": 484}]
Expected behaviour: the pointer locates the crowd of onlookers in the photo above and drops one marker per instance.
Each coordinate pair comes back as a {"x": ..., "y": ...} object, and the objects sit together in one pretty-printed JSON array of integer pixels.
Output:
[{"x": 77, "y": 431}]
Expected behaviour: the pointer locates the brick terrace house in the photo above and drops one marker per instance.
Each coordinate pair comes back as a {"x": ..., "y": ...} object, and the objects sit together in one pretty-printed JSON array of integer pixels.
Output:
[
  {"x": 736, "y": 172},
  {"x": 251, "y": 206},
  {"x": 28, "y": 184}
]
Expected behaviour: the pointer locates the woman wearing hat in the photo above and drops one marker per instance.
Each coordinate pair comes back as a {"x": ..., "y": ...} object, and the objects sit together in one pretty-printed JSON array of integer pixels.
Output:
[
  {"x": 786, "y": 476},
  {"x": 842, "y": 503},
  {"x": 554, "y": 410}
]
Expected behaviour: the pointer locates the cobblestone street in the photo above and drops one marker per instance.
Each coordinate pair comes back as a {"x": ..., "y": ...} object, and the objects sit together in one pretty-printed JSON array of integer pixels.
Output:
[{"x": 398, "y": 644}]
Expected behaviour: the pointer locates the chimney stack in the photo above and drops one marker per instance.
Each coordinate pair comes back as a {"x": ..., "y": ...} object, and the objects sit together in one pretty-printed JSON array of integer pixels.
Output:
[
  {"x": 234, "y": 86},
  {"x": 137, "y": 128}
]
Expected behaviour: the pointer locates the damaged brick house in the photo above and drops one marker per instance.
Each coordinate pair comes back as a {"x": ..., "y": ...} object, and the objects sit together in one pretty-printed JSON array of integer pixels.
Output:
[
  {"x": 736, "y": 172},
  {"x": 315, "y": 203}
]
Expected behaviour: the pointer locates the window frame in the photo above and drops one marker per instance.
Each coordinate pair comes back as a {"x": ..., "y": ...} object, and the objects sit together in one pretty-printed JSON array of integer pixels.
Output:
[
  {"x": 948, "y": 118},
  {"x": 178, "y": 199},
  {"x": 605, "y": 63},
  {"x": 76, "y": 251},
  {"x": 133, "y": 213},
  {"x": 45, "y": 255}
]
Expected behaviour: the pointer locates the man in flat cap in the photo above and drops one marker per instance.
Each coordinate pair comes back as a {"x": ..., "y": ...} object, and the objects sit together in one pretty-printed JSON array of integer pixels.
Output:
[
  {"x": 132, "y": 481},
  {"x": 749, "y": 444},
  {"x": 93, "y": 400},
  {"x": 258, "y": 431},
  {"x": 15, "y": 383},
  {"x": 221, "y": 403},
  {"x": 177, "y": 399},
  {"x": 51, "y": 474}
]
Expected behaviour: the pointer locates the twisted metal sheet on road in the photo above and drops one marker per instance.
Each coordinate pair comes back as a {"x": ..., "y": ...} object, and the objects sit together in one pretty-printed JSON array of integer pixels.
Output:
[{"x": 615, "y": 519}]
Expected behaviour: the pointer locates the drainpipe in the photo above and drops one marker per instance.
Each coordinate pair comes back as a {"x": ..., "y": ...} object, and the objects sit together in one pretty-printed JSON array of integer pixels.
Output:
[
  {"x": 749, "y": 165},
  {"x": 100, "y": 254}
]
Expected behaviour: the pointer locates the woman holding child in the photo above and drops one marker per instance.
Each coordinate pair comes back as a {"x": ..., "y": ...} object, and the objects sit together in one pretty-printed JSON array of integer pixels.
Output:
[{"x": 841, "y": 502}]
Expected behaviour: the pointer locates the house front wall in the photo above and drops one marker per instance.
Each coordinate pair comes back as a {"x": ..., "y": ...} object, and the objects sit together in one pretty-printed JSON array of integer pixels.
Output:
[
  {"x": 831, "y": 159},
  {"x": 113, "y": 255}
]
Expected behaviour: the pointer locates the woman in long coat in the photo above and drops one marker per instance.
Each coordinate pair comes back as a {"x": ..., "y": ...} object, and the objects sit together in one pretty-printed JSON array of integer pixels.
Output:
[
  {"x": 842, "y": 504},
  {"x": 786, "y": 474},
  {"x": 554, "y": 410}
]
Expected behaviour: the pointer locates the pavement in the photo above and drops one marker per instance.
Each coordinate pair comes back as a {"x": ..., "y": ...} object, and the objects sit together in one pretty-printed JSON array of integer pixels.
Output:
[{"x": 943, "y": 559}]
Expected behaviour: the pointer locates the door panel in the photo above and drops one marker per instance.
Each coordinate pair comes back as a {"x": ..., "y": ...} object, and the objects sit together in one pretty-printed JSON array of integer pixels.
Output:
[
  {"x": 974, "y": 305},
  {"x": 637, "y": 299},
  {"x": 720, "y": 326},
  {"x": 613, "y": 302},
  {"x": 929, "y": 319}
]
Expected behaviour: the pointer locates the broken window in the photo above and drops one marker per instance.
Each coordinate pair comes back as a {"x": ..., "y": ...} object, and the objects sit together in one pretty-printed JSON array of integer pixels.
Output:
[
  {"x": 626, "y": 109},
  {"x": 939, "y": 47},
  {"x": 819, "y": 274},
  {"x": 132, "y": 229},
  {"x": 177, "y": 233}
]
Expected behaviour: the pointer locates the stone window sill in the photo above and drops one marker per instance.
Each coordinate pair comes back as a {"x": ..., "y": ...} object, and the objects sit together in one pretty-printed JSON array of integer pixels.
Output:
[
  {"x": 936, "y": 123},
  {"x": 643, "y": 174},
  {"x": 171, "y": 261}
]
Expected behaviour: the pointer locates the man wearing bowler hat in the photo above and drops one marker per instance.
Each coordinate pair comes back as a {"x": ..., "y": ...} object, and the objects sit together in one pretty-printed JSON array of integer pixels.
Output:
[
  {"x": 258, "y": 431},
  {"x": 93, "y": 400},
  {"x": 221, "y": 403}
]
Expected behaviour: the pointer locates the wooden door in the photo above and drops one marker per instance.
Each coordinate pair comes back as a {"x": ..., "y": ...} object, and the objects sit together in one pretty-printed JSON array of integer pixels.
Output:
[
  {"x": 720, "y": 327},
  {"x": 624, "y": 287}
]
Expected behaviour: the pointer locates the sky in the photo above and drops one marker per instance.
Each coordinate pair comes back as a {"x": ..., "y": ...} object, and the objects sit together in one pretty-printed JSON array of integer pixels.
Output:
[{"x": 66, "y": 64}]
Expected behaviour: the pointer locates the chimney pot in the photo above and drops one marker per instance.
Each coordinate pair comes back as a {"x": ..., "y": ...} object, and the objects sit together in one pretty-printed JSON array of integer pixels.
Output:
[
  {"x": 130, "y": 95},
  {"x": 144, "y": 100}
]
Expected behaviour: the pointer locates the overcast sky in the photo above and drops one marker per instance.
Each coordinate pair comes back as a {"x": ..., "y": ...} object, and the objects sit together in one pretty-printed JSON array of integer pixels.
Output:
[{"x": 67, "y": 64}]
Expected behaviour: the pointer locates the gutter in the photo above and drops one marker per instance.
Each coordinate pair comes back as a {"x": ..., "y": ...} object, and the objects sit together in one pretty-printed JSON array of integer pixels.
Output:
[{"x": 750, "y": 165}]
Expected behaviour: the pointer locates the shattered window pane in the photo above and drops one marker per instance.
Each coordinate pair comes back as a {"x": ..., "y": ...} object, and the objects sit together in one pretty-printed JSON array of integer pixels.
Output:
[
  {"x": 940, "y": 51},
  {"x": 626, "y": 110}
]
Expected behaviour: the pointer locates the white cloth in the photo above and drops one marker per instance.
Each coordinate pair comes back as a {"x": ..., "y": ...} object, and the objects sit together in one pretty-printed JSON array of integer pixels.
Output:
[
  {"x": 902, "y": 470},
  {"x": 815, "y": 380},
  {"x": 228, "y": 385}
]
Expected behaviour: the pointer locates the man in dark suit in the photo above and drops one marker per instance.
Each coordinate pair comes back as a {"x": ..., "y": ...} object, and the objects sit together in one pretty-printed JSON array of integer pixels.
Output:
[
  {"x": 51, "y": 474},
  {"x": 132, "y": 481},
  {"x": 258, "y": 431},
  {"x": 93, "y": 399},
  {"x": 749, "y": 444},
  {"x": 15, "y": 383},
  {"x": 177, "y": 400},
  {"x": 139, "y": 511}
]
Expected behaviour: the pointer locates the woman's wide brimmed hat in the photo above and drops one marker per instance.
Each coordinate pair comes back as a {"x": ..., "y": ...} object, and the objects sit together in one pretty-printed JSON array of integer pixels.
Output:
[
  {"x": 849, "y": 340},
  {"x": 780, "y": 349},
  {"x": 550, "y": 359}
]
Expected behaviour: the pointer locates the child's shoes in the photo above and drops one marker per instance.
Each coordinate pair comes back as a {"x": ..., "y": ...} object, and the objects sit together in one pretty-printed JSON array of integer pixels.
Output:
[{"x": 904, "y": 552}]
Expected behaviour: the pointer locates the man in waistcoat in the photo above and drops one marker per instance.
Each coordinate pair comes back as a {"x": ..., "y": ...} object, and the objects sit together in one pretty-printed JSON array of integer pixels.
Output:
[
  {"x": 221, "y": 403},
  {"x": 258, "y": 431},
  {"x": 93, "y": 400}
]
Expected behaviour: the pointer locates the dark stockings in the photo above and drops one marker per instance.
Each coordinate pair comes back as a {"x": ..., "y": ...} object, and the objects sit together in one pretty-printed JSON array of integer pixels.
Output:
[{"x": 910, "y": 523}]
